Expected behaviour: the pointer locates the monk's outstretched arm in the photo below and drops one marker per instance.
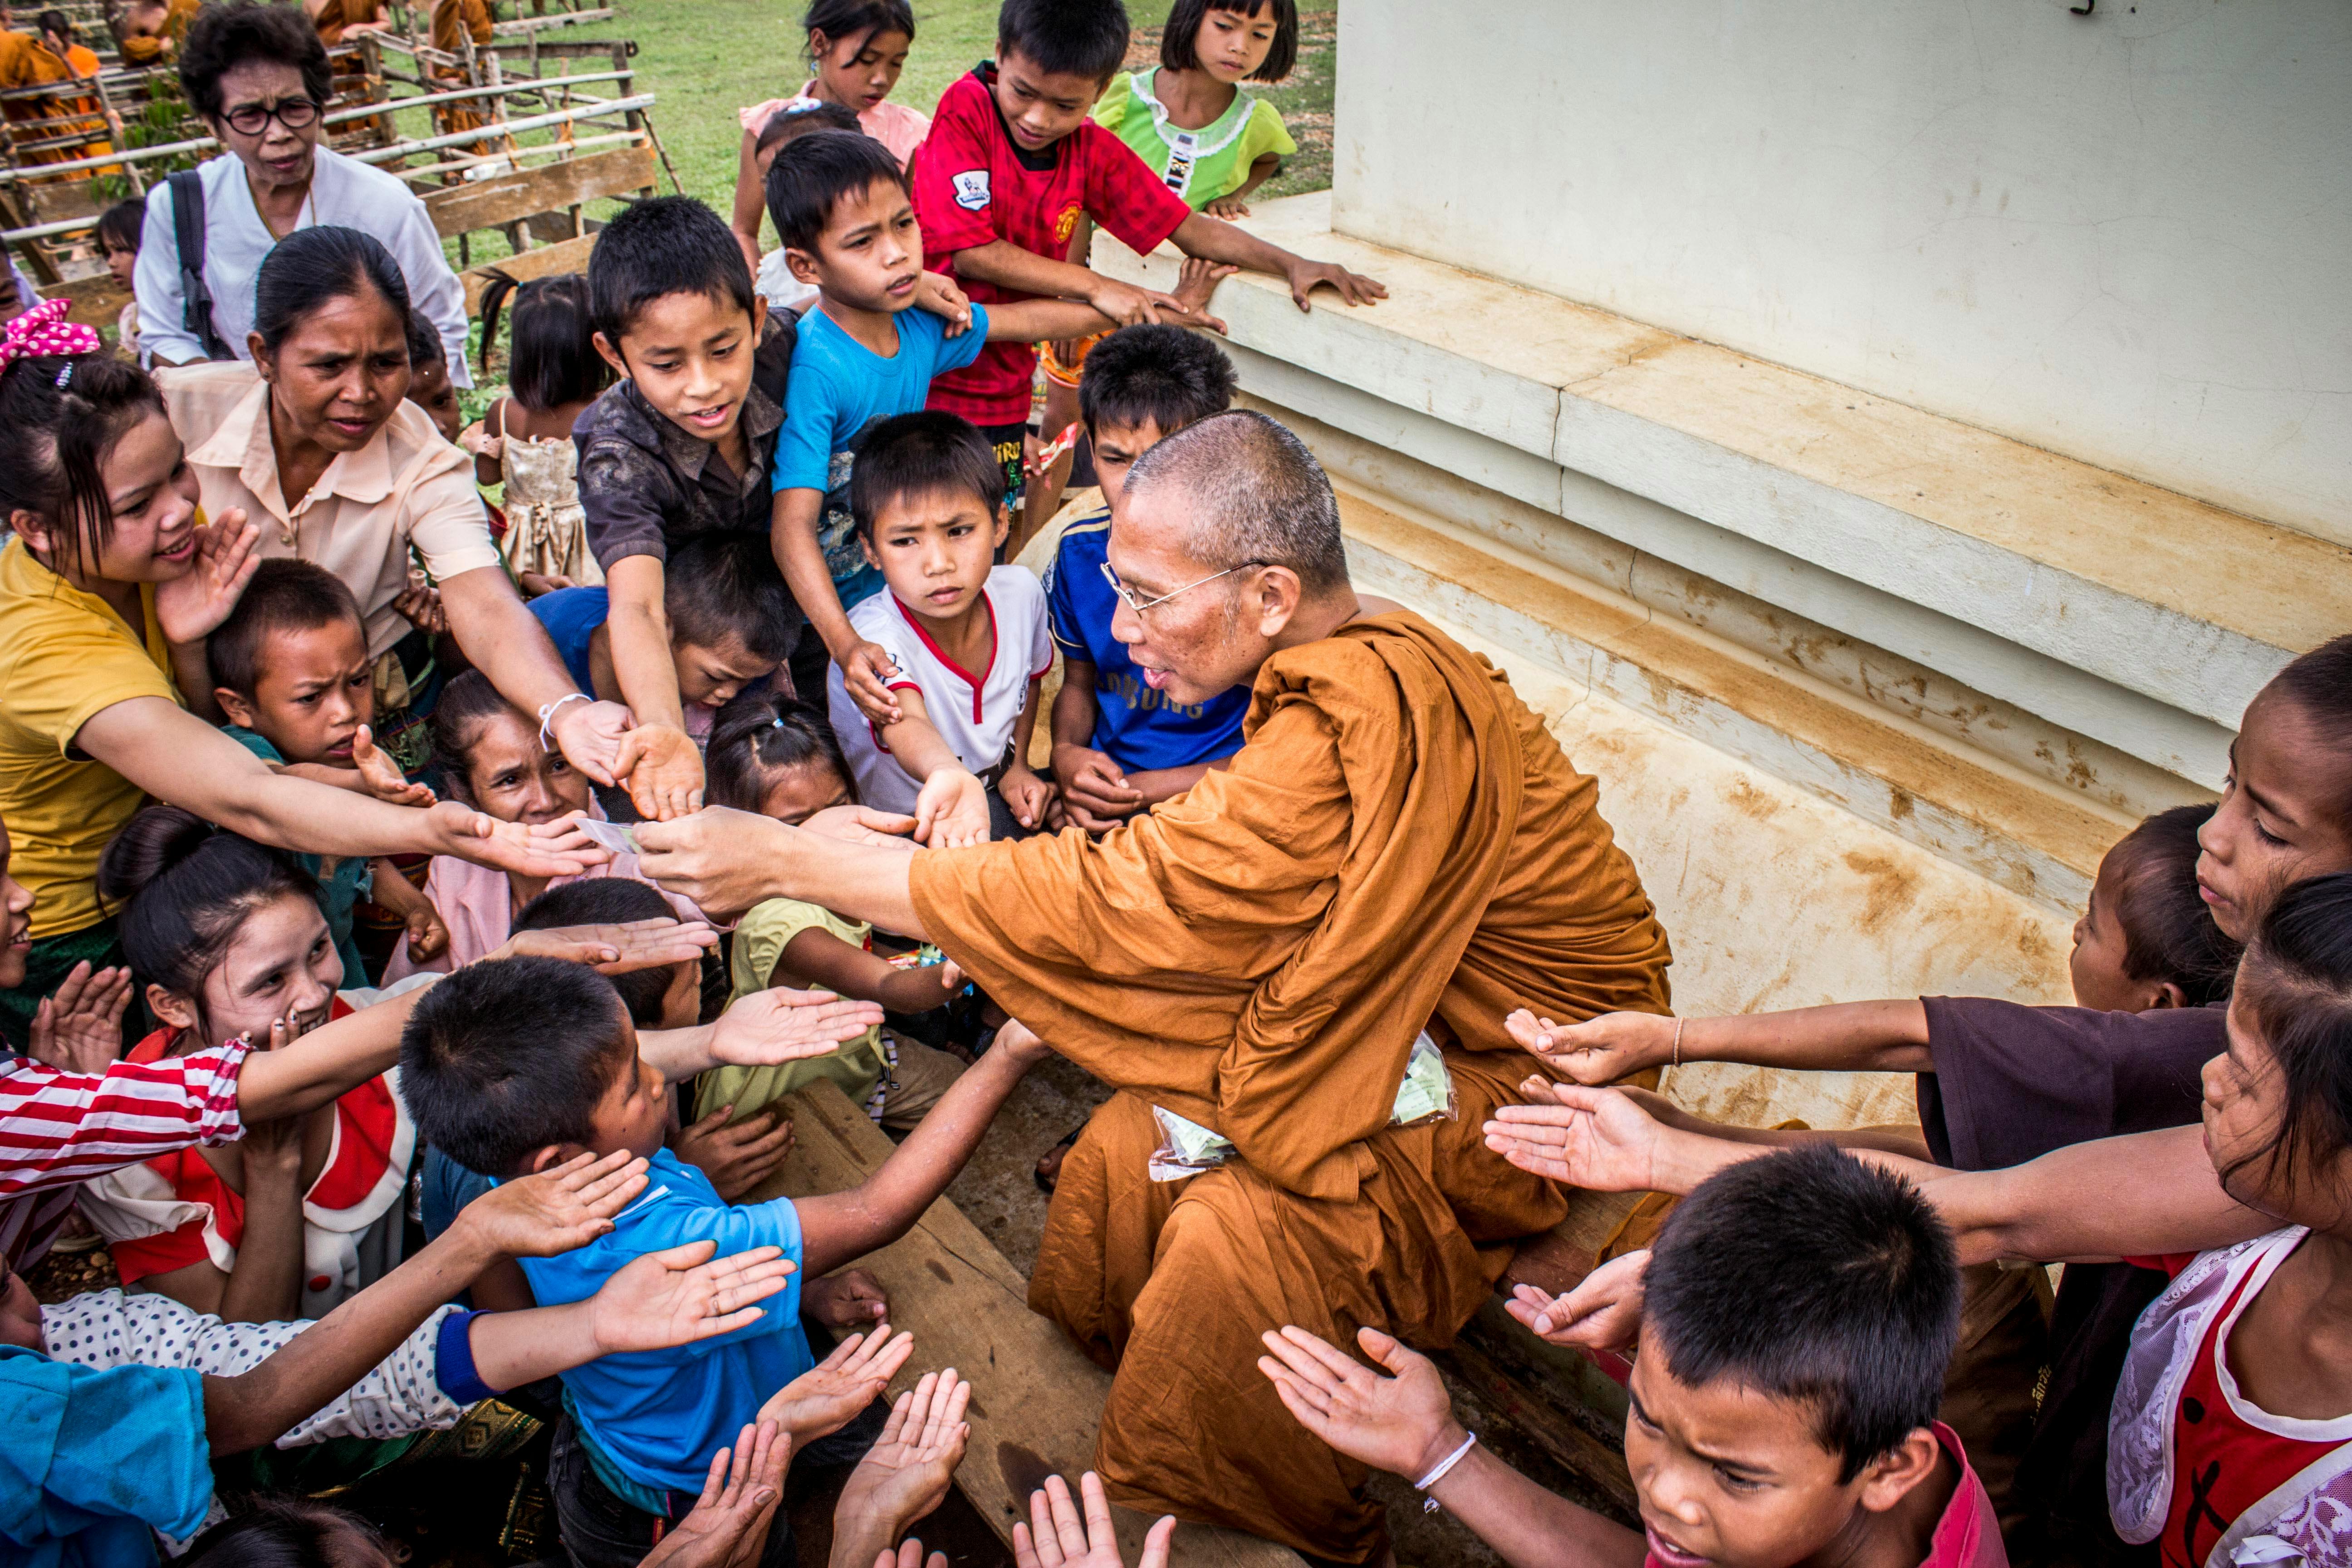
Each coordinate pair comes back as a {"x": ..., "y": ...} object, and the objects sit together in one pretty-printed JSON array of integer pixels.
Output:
[{"x": 726, "y": 861}]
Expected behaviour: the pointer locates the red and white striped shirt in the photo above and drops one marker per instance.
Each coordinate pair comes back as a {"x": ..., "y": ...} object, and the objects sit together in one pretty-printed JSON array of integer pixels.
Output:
[{"x": 58, "y": 1127}]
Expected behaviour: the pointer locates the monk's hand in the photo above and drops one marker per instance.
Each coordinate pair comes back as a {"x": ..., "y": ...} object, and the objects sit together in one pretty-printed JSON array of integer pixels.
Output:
[
  {"x": 768, "y": 1029},
  {"x": 663, "y": 771},
  {"x": 1594, "y": 1138},
  {"x": 829, "y": 1395},
  {"x": 1093, "y": 789},
  {"x": 906, "y": 1474},
  {"x": 1056, "y": 1537},
  {"x": 1603, "y": 1314},
  {"x": 1404, "y": 1424},
  {"x": 621, "y": 949},
  {"x": 864, "y": 824},
  {"x": 720, "y": 860},
  {"x": 952, "y": 811},
  {"x": 546, "y": 849},
  {"x": 1599, "y": 1050}
]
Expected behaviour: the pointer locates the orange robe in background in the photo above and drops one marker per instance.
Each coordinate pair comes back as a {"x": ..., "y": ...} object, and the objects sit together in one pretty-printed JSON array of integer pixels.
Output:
[
  {"x": 25, "y": 62},
  {"x": 1400, "y": 844},
  {"x": 147, "y": 49},
  {"x": 450, "y": 18}
]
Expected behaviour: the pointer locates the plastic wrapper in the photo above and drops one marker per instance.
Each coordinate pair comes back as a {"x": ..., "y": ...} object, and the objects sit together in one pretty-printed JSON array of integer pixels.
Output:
[{"x": 1186, "y": 1148}]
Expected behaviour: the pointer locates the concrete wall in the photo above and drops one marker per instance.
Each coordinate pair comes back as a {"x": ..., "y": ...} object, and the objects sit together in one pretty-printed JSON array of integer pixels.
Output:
[{"x": 2127, "y": 238}]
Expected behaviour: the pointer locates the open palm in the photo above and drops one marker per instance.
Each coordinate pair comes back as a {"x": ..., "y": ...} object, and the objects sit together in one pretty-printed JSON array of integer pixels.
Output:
[
  {"x": 828, "y": 1396},
  {"x": 768, "y": 1027},
  {"x": 191, "y": 607},
  {"x": 1593, "y": 1138},
  {"x": 683, "y": 1294},
  {"x": 906, "y": 1474}
]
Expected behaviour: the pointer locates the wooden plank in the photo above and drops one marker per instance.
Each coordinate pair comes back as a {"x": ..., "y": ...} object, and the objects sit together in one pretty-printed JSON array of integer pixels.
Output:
[
  {"x": 567, "y": 255},
  {"x": 487, "y": 204},
  {"x": 1036, "y": 1401},
  {"x": 1558, "y": 1260}
]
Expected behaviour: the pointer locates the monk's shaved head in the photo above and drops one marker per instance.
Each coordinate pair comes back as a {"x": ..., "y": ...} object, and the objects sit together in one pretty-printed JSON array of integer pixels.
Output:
[{"x": 1256, "y": 496}]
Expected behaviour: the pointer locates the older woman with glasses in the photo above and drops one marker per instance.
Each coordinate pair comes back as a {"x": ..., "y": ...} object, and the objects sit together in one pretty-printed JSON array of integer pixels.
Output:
[{"x": 258, "y": 76}]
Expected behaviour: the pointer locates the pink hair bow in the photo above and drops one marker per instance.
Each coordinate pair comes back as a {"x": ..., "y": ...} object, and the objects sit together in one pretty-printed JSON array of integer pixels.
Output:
[{"x": 44, "y": 329}]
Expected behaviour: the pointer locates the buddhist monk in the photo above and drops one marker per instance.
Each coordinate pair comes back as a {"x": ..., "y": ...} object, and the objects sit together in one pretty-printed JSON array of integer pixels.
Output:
[
  {"x": 40, "y": 59},
  {"x": 1399, "y": 847},
  {"x": 454, "y": 20},
  {"x": 147, "y": 31}
]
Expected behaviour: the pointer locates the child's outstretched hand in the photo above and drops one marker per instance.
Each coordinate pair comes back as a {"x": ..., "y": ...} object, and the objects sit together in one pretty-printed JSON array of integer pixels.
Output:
[
  {"x": 951, "y": 810},
  {"x": 866, "y": 673},
  {"x": 736, "y": 1155},
  {"x": 768, "y": 1028},
  {"x": 906, "y": 1474},
  {"x": 1129, "y": 305},
  {"x": 556, "y": 1209},
  {"x": 662, "y": 769},
  {"x": 621, "y": 949},
  {"x": 1055, "y": 1536},
  {"x": 1595, "y": 1138},
  {"x": 428, "y": 939},
  {"x": 1603, "y": 1314},
  {"x": 727, "y": 1526},
  {"x": 1029, "y": 795},
  {"x": 828, "y": 1396},
  {"x": 851, "y": 1299},
  {"x": 1354, "y": 287},
  {"x": 79, "y": 1028},
  {"x": 1599, "y": 1050},
  {"x": 1196, "y": 280},
  {"x": 682, "y": 1294},
  {"x": 381, "y": 776},
  {"x": 937, "y": 292},
  {"x": 1404, "y": 1424}
]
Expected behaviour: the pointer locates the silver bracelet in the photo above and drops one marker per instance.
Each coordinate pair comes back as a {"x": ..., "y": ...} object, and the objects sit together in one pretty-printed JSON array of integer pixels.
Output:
[
  {"x": 547, "y": 715},
  {"x": 1438, "y": 1473}
]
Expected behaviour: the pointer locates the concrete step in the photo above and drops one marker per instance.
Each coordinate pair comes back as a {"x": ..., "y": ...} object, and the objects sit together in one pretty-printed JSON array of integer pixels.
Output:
[{"x": 2112, "y": 609}]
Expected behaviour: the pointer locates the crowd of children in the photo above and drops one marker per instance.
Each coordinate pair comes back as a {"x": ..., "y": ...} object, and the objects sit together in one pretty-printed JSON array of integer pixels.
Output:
[{"x": 341, "y": 1013}]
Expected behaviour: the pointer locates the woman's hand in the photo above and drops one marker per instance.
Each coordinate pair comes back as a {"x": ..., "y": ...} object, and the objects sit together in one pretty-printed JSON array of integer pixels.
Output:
[
  {"x": 613, "y": 949},
  {"x": 526, "y": 849},
  {"x": 1603, "y": 1314},
  {"x": 1054, "y": 1538},
  {"x": 951, "y": 810},
  {"x": 663, "y": 771},
  {"x": 1028, "y": 795},
  {"x": 1599, "y": 1050},
  {"x": 828, "y": 1396},
  {"x": 737, "y": 1156},
  {"x": 727, "y": 1526},
  {"x": 770, "y": 1027},
  {"x": 1594, "y": 1138},
  {"x": 937, "y": 292},
  {"x": 190, "y": 608},
  {"x": 589, "y": 734},
  {"x": 381, "y": 776},
  {"x": 79, "y": 1028},
  {"x": 853, "y": 1298},
  {"x": 906, "y": 1474},
  {"x": 1404, "y": 1424},
  {"x": 556, "y": 1209},
  {"x": 683, "y": 1294}
]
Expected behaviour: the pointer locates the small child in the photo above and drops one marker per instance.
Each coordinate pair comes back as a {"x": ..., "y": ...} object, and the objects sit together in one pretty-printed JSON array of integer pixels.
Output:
[
  {"x": 512, "y": 1067},
  {"x": 2146, "y": 939},
  {"x": 298, "y": 688},
  {"x": 848, "y": 226},
  {"x": 119, "y": 228},
  {"x": 857, "y": 49},
  {"x": 524, "y": 441},
  {"x": 791, "y": 119},
  {"x": 681, "y": 446},
  {"x": 1013, "y": 164},
  {"x": 429, "y": 386},
  {"x": 1187, "y": 117},
  {"x": 490, "y": 758},
  {"x": 731, "y": 624},
  {"x": 1120, "y": 747},
  {"x": 1801, "y": 1310},
  {"x": 777, "y": 757},
  {"x": 929, "y": 496}
]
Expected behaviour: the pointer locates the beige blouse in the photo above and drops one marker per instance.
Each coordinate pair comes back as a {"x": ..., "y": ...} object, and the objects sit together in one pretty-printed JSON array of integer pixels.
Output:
[{"x": 406, "y": 487}]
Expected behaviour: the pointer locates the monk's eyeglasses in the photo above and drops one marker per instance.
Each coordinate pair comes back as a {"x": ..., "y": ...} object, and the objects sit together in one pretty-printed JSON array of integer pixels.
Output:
[
  {"x": 1127, "y": 596},
  {"x": 253, "y": 119}
]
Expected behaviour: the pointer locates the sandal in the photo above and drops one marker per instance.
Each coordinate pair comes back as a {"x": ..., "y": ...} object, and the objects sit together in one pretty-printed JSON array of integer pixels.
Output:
[{"x": 1047, "y": 1183}]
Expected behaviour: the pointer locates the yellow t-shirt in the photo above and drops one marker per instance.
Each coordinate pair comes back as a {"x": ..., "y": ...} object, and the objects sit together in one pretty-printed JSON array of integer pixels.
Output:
[
  {"x": 758, "y": 941},
  {"x": 64, "y": 657}
]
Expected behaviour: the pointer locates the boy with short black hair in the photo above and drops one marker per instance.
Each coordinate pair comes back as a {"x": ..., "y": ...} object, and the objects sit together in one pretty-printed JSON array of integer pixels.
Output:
[
  {"x": 967, "y": 638},
  {"x": 429, "y": 386},
  {"x": 679, "y": 446},
  {"x": 512, "y": 1067},
  {"x": 1119, "y": 746},
  {"x": 1013, "y": 162},
  {"x": 731, "y": 623},
  {"x": 298, "y": 688},
  {"x": 847, "y": 221},
  {"x": 1801, "y": 1310}
]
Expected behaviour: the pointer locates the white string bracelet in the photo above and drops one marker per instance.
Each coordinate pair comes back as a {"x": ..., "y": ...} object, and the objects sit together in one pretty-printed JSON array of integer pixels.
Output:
[
  {"x": 1438, "y": 1472},
  {"x": 547, "y": 715}
]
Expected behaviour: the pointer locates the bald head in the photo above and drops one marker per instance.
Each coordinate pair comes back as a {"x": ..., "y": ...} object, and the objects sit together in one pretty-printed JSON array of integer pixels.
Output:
[{"x": 1256, "y": 494}]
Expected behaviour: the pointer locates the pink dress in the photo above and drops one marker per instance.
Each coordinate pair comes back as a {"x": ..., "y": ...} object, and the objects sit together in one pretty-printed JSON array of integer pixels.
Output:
[
  {"x": 477, "y": 904},
  {"x": 894, "y": 125}
]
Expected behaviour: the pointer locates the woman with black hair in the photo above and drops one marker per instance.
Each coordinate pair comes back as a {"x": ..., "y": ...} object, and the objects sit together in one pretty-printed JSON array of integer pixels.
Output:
[
  {"x": 315, "y": 440},
  {"x": 259, "y": 76}
]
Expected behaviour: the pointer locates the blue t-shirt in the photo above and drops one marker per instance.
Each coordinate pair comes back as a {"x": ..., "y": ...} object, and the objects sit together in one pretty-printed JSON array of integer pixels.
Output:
[
  {"x": 1135, "y": 726},
  {"x": 571, "y": 616},
  {"x": 341, "y": 890},
  {"x": 97, "y": 1459},
  {"x": 658, "y": 1415},
  {"x": 839, "y": 386}
]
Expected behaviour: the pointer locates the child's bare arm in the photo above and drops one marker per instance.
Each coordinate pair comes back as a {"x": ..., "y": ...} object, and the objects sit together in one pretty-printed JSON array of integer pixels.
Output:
[
  {"x": 1235, "y": 203},
  {"x": 865, "y": 667},
  {"x": 840, "y": 1227},
  {"x": 427, "y": 936},
  {"x": 1218, "y": 240},
  {"x": 639, "y": 629},
  {"x": 951, "y": 810},
  {"x": 1008, "y": 265},
  {"x": 1028, "y": 795},
  {"x": 751, "y": 199},
  {"x": 818, "y": 959},
  {"x": 1846, "y": 1037}
]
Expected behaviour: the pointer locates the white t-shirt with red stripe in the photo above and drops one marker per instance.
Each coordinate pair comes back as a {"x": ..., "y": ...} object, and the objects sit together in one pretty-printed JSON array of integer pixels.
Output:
[{"x": 973, "y": 710}]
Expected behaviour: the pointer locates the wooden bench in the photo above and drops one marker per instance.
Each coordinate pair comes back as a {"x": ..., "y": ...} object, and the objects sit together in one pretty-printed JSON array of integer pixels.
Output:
[
  {"x": 554, "y": 192},
  {"x": 1036, "y": 1401}
]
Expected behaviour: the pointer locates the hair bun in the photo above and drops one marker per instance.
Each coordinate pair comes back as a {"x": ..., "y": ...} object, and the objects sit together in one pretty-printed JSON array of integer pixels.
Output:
[{"x": 155, "y": 841}]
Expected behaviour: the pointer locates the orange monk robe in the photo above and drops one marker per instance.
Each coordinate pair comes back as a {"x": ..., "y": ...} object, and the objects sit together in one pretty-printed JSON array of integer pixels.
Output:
[
  {"x": 450, "y": 19},
  {"x": 25, "y": 62},
  {"x": 149, "y": 49},
  {"x": 1398, "y": 844}
]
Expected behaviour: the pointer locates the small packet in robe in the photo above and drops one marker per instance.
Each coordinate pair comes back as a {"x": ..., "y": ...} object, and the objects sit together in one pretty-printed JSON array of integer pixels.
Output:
[{"x": 1187, "y": 1148}]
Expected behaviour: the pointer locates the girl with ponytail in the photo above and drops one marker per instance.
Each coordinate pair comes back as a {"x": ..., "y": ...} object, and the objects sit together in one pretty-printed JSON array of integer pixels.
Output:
[{"x": 108, "y": 590}]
